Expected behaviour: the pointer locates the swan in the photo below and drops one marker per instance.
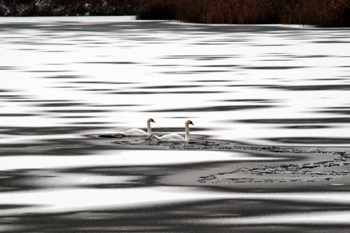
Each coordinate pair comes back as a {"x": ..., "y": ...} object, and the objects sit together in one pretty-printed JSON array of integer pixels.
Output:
[
  {"x": 173, "y": 137},
  {"x": 139, "y": 132}
]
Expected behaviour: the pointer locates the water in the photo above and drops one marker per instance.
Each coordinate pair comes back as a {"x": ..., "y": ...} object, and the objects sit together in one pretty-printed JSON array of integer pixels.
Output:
[{"x": 65, "y": 81}]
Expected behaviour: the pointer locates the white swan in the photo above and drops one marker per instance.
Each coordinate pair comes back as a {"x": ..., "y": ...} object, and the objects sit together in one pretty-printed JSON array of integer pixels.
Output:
[
  {"x": 139, "y": 132},
  {"x": 173, "y": 137}
]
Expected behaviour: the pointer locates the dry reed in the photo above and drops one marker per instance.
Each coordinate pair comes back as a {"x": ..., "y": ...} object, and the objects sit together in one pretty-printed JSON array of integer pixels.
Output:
[{"x": 324, "y": 13}]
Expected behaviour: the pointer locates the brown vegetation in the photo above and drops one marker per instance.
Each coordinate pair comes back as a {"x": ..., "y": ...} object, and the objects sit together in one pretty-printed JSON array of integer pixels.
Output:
[
  {"x": 157, "y": 9},
  {"x": 325, "y": 13}
]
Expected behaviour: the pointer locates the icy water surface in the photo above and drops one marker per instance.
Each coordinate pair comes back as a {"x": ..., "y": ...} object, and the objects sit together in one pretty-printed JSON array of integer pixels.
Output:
[{"x": 66, "y": 81}]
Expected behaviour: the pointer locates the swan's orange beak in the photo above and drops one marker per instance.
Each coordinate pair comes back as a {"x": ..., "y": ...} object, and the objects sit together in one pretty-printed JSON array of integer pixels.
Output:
[
  {"x": 153, "y": 121},
  {"x": 192, "y": 123}
]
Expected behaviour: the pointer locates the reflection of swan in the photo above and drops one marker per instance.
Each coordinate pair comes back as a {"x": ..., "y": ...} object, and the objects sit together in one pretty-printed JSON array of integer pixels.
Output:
[
  {"x": 173, "y": 137},
  {"x": 139, "y": 132}
]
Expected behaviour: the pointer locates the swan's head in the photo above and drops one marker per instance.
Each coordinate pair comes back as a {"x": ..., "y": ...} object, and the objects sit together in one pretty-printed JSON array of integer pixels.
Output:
[
  {"x": 151, "y": 120},
  {"x": 189, "y": 122}
]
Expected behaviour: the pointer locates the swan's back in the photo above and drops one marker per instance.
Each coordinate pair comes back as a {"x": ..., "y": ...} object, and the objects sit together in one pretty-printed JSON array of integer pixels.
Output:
[
  {"x": 135, "y": 132},
  {"x": 173, "y": 137}
]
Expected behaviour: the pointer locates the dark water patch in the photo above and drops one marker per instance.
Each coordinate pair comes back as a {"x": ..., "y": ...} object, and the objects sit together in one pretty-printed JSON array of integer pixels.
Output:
[
  {"x": 273, "y": 67},
  {"x": 78, "y": 110},
  {"x": 43, "y": 44},
  {"x": 330, "y": 120},
  {"x": 30, "y": 100},
  {"x": 67, "y": 87},
  {"x": 59, "y": 147},
  {"x": 9, "y": 207},
  {"x": 27, "y": 49},
  {"x": 64, "y": 77},
  {"x": 307, "y": 127},
  {"x": 83, "y": 40},
  {"x": 95, "y": 89},
  {"x": 269, "y": 45},
  {"x": 310, "y": 56},
  {"x": 196, "y": 57},
  {"x": 330, "y": 42},
  {"x": 214, "y": 108},
  {"x": 337, "y": 112},
  {"x": 212, "y": 43},
  {"x": 55, "y": 64},
  {"x": 8, "y": 68},
  {"x": 340, "y": 108},
  {"x": 332, "y": 87},
  {"x": 165, "y": 65},
  {"x": 310, "y": 140},
  {"x": 170, "y": 86},
  {"x": 329, "y": 79},
  {"x": 116, "y": 105},
  {"x": 164, "y": 92},
  {"x": 277, "y": 54},
  {"x": 251, "y": 100},
  {"x": 112, "y": 136},
  {"x": 212, "y": 81},
  {"x": 217, "y": 66},
  {"x": 18, "y": 114},
  {"x": 154, "y": 42},
  {"x": 60, "y": 104},
  {"x": 229, "y": 40},
  {"x": 111, "y": 63},
  {"x": 14, "y": 98},
  {"x": 69, "y": 130},
  {"x": 102, "y": 82},
  {"x": 76, "y": 116},
  {"x": 252, "y": 85},
  {"x": 148, "y": 39},
  {"x": 275, "y": 60}
]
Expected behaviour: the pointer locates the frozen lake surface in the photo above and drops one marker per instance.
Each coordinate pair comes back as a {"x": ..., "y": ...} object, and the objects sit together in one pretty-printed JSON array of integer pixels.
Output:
[{"x": 65, "y": 80}]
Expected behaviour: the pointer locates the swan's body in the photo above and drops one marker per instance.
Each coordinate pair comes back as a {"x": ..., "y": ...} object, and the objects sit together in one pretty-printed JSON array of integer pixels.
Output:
[
  {"x": 135, "y": 133},
  {"x": 173, "y": 137},
  {"x": 139, "y": 132}
]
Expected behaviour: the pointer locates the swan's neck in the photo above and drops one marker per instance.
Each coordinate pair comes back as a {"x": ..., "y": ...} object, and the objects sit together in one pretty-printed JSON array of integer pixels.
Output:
[
  {"x": 149, "y": 131},
  {"x": 187, "y": 132},
  {"x": 155, "y": 136}
]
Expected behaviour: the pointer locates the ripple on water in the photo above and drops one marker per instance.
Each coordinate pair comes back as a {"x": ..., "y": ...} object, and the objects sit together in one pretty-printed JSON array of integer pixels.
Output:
[
  {"x": 164, "y": 92},
  {"x": 331, "y": 87},
  {"x": 122, "y": 158},
  {"x": 111, "y": 63},
  {"x": 310, "y": 140},
  {"x": 214, "y": 108},
  {"x": 299, "y": 121},
  {"x": 31, "y": 179},
  {"x": 64, "y": 77},
  {"x": 273, "y": 67}
]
